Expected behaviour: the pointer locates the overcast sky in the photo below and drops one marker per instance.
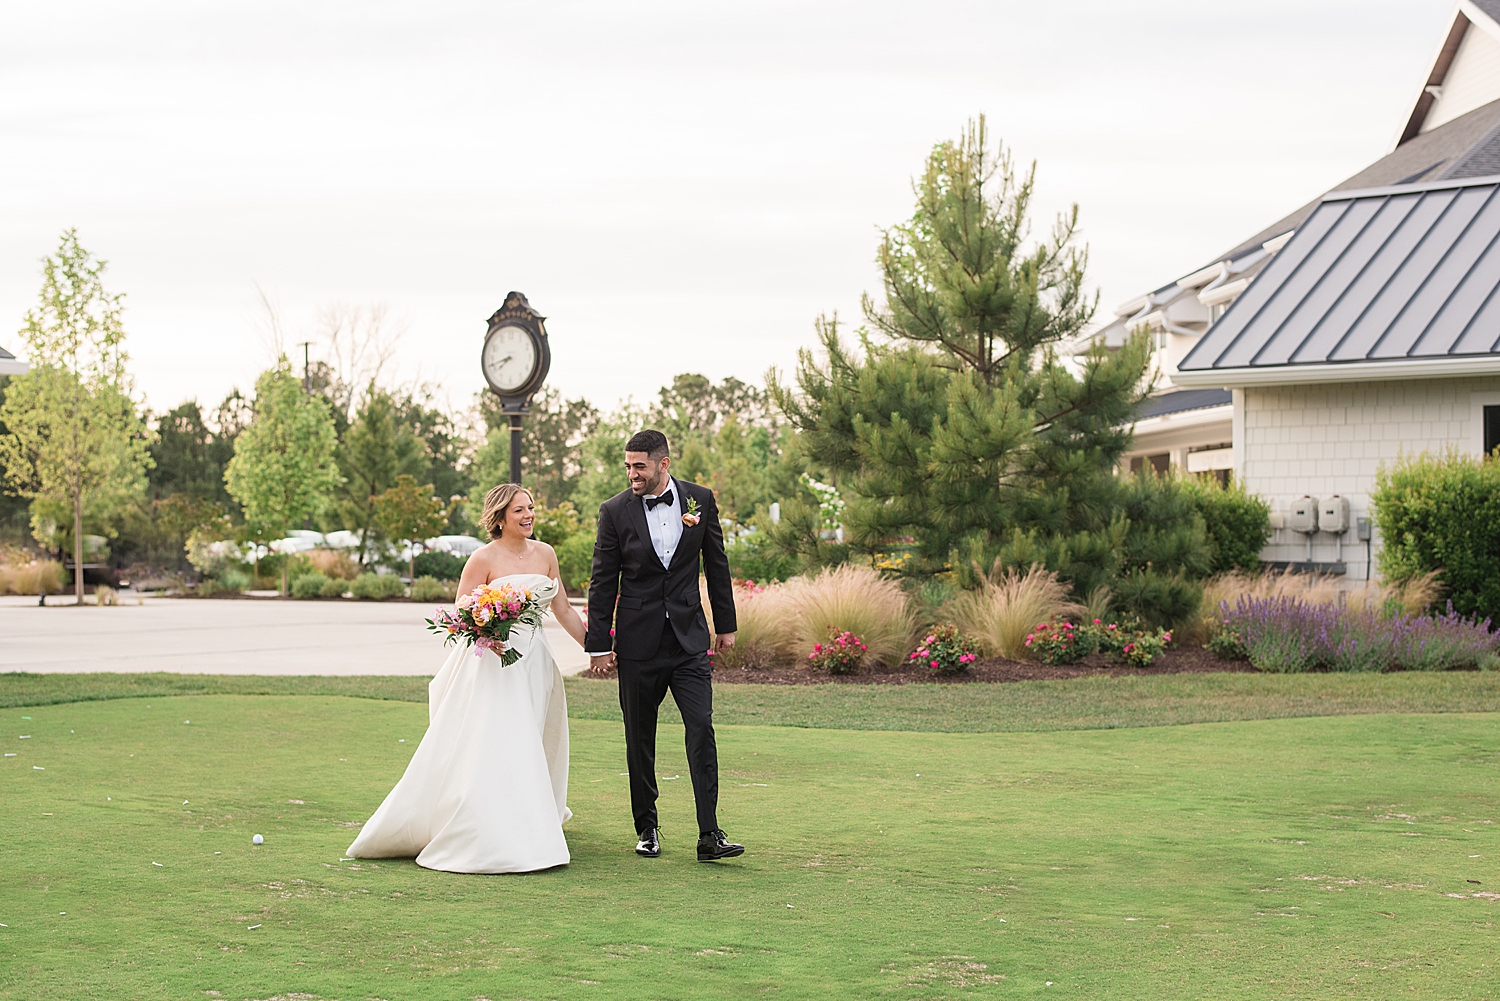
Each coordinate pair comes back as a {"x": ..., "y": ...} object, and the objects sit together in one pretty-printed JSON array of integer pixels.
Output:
[{"x": 677, "y": 186}]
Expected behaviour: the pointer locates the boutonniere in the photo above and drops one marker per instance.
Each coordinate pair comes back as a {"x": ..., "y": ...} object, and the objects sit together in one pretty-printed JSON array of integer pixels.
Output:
[{"x": 691, "y": 517}]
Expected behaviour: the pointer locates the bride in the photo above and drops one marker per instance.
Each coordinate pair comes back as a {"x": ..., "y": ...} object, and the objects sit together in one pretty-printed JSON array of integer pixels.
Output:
[{"x": 487, "y": 789}]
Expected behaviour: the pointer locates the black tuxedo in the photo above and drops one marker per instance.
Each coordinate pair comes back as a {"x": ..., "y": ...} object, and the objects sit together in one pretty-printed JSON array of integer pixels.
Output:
[{"x": 661, "y": 637}]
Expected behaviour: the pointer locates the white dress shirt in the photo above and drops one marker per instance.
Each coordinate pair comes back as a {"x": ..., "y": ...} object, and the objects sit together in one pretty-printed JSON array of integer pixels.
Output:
[{"x": 665, "y": 522}]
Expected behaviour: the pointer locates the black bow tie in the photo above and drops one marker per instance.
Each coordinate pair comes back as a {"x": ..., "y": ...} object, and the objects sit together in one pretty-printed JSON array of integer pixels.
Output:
[{"x": 665, "y": 498}]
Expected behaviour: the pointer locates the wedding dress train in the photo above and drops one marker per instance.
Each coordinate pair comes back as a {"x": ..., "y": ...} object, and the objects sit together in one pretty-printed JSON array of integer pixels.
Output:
[{"x": 487, "y": 789}]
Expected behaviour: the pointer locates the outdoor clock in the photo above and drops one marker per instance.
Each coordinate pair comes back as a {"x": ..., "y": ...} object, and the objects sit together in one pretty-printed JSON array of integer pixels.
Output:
[
  {"x": 516, "y": 357},
  {"x": 515, "y": 360}
]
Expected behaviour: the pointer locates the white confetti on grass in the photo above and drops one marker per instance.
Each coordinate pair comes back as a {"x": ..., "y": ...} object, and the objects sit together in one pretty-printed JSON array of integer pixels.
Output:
[
  {"x": 38, "y": 768},
  {"x": 252, "y": 927},
  {"x": 158, "y": 864}
]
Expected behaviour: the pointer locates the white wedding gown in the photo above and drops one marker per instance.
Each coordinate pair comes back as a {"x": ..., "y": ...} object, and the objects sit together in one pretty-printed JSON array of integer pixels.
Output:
[{"x": 487, "y": 789}]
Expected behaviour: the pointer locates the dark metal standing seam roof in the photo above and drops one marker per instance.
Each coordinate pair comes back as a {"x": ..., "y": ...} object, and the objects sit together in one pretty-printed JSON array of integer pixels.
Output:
[
  {"x": 6, "y": 355},
  {"x": 1183, "y": 401},
  {"x": 1405, "y": 272}
]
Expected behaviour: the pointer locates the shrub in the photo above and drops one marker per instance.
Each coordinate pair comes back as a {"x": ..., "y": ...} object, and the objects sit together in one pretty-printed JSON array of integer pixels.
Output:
[
  {"x": 334, "y": 587},
  {"x": 234, "y": 580},
  {"x": 755, "y": 557},
  {"x": 1144, "y": 646},
  {"x": 1442, "y": 515},
  {"x": 945, "y": 650},
  {"x": 106, "y": 595},
  {"x": 575, "y": 559},
  {"x": 309, "y": 586},
  {"x": 1238, "y": 524},
  {"x": 432, "y": 589},
  {"x": 1062, "y": 643},
  {"x": 333, "y": 563},
  {"x": 842, "y": 653},
  {"x": 443, "y": 566},
  {"x": 1228, "y": 644},
  {"x": 853, "y": 599},
  {"x": 555, "y": 525},
  {"x": 377, "y": 586},
  {"x": 1007, "y": 604}
]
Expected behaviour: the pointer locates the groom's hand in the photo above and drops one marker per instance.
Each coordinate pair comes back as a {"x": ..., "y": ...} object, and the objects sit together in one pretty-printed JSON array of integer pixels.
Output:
[
  {"x": 601, "y": 664},
  {"x": 723, "y": 641}
]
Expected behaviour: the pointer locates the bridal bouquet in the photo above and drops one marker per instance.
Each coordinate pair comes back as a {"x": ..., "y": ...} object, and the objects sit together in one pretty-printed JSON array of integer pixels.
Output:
[{"x": 484, "y": 618}]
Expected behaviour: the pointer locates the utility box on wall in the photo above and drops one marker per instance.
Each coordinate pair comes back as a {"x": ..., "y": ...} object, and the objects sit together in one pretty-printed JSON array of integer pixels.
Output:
[
  {"x": 1333, "y": 515},
  {"x": 1302, "y": 515}
]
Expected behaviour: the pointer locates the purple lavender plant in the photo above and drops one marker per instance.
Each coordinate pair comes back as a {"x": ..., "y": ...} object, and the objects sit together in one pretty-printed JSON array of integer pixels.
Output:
[{"x": 1289, "y": 635}]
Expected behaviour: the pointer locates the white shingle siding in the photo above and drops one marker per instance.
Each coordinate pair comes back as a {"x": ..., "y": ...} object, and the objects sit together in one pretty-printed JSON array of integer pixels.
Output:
[{"x": 1334, "y": 438}]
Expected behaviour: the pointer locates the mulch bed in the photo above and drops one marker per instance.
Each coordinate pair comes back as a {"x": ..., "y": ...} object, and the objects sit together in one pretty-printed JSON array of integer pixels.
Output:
[{"x": 1187, "y": 660}]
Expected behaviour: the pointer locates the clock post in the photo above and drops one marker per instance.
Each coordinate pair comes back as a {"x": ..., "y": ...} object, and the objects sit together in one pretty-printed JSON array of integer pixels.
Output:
[{"x": 515, "y": 360}]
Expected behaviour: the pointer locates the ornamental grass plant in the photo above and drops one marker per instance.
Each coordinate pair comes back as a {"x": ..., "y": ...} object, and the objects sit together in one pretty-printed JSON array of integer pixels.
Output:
[
  {"x": 1413, "y": 596},
  {"x": 1008, "y": 605},
  {"x": 852, "y": 598},
  {"x": 764, "y": 633},
  {"x": 34, "y": 577}
]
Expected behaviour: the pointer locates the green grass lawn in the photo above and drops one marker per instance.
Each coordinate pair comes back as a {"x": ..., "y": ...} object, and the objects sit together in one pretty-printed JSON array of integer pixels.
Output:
[
  {"x": 1078, "y": 704},
  {"x": 1276, "y": 858}
]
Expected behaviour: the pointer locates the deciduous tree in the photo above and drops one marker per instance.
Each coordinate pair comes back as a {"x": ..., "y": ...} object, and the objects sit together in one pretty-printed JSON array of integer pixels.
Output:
[
  {"x": 283, "y": 470},
  {"x": 411, "y": 512},
  {"x": 74, "y": 441}
]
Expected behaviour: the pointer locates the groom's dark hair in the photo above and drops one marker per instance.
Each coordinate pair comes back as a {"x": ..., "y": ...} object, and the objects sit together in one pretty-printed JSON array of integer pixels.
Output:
[{"x": 650, "y": 441}]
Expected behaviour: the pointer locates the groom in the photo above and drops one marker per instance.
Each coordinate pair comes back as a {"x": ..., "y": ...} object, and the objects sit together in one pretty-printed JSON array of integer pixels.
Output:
[{"x": 651, "y": 539}]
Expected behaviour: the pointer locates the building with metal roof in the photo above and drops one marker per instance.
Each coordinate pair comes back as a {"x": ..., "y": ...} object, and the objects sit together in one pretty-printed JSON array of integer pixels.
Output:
[{"x": 1360, "y": 327}]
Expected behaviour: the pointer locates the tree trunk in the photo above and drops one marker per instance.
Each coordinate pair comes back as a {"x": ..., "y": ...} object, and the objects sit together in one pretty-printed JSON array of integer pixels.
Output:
[
  {"x": 78, "y": 545},
  {"x": 286, "y": 563}
]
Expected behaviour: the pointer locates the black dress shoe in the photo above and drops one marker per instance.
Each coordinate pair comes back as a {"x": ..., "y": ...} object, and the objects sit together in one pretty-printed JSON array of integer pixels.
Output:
[
  {"x": 650, "y": 843},
  {"x": 714, "y": 846}
]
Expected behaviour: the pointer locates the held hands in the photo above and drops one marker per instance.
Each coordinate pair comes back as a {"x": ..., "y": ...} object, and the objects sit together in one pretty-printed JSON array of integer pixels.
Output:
[{"x": 601, "y": 664}]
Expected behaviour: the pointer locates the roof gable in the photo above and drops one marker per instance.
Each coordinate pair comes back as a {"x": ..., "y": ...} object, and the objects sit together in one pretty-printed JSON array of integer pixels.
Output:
[
  {"x": 1389, "y": 274},
  {"x": 1464, "y": 73}
]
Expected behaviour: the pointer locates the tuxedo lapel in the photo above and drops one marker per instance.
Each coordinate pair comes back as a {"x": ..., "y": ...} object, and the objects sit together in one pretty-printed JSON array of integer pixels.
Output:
[
  {"x": 636, "y": 512},
  {"x": 692, "y": 539}
]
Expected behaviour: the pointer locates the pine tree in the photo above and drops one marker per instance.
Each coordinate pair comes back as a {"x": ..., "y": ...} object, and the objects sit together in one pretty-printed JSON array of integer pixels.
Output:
[{"x": 965, "y": 427}]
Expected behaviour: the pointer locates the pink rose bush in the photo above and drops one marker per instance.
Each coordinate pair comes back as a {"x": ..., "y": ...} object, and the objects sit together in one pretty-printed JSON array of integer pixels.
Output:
[
  {"x": 945, "y": 650},
  {"x": 842, "y": 654}
]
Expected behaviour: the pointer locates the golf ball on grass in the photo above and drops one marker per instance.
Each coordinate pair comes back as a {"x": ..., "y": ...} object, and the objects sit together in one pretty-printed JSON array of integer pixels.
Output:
[{"x": 257, "y": 840}]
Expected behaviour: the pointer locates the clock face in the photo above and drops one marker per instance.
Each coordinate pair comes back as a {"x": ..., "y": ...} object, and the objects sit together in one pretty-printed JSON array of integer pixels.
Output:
[{"x": 509, "y": 358}]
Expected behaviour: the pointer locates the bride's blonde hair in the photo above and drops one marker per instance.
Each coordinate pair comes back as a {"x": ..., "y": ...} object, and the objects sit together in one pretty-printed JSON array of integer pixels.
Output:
[{"x": 496, "y": 503}]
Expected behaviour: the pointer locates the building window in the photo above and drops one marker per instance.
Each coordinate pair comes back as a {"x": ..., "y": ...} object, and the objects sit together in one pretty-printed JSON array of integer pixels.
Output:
[
  {"x": 1159, "y": 463},
  {"x": 1491, "y": 429}
]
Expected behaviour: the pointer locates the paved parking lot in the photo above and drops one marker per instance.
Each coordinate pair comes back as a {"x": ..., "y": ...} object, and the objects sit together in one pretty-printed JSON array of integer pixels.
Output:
[{"x": 246, "y": 636}]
